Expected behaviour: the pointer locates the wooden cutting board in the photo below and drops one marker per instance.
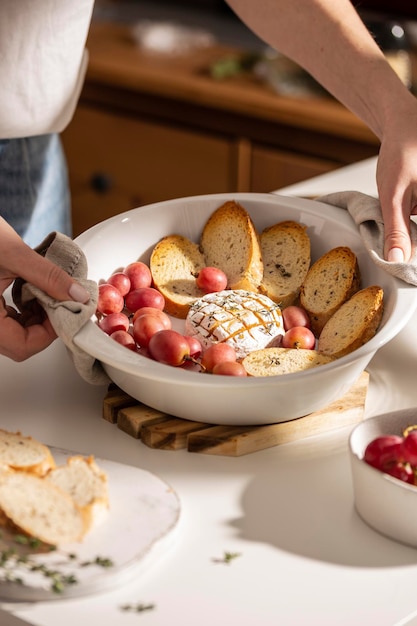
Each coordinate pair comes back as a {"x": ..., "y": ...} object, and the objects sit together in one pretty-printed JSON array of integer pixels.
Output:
[{"x": 165, "y": 432}]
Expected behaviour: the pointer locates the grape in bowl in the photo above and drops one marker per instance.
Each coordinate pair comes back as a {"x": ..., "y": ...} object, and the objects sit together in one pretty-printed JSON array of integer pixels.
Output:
[
  {"x": 131, "y": 236},
  {"x": 386, "y": 503}
]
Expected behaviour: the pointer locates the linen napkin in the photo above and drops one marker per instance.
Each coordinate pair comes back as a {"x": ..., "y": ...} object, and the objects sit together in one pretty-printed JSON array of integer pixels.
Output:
[
  {"x": 366, "y": 213},
  {"x": 66, "y": 317}
]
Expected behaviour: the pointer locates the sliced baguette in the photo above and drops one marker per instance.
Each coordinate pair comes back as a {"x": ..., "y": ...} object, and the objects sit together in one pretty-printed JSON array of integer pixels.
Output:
[
  {"x": 39, "y": 508},
  {"x": 24, "y": 453},
  {"x": 278, "y": 361},
  {"x": 86, "y": 484},
  {"x": 330, "y": 281},
  {"x": 285, "y": 249},
  {"x": 230, "y": 242},
  {"x": 353, "y": 324},
  {"x": 175, "y": 263}
]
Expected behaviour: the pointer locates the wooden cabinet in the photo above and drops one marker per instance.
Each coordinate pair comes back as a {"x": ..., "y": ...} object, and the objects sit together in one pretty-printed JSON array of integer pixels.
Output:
[
  {"x": 272, "y": 169},
  {"x": 152, "y": 128},
  {"x": 118, "y": 163}
]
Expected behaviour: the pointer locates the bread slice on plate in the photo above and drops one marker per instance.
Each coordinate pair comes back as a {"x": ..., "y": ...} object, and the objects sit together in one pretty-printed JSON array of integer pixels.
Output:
[
  {"x": 230, "y": 242},
  {"x": 24, "y": 453},
  {"x": 278, "y": 361},
  {"x": 330, "y": 281},
  {"x": 285, "y": 249},
  {"x": 87, "y": 485},
  {"x": 39, "y": 508},
  {"x": 175, "y": 263},
  {"x": 354, "y": 324}
]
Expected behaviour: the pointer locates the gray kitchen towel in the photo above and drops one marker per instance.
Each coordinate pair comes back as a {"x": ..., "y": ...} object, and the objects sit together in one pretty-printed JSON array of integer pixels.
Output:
[
  {"x": 366, "y": 212},
  {"x": 66, "y": 317}
]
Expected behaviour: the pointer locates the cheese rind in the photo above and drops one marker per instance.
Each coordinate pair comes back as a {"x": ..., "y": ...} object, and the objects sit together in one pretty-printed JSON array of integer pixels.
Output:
[{"x": 243, "y": 319}]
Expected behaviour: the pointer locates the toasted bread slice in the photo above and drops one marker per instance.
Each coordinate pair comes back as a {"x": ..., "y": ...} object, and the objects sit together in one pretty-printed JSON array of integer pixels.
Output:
[
  {"x": 285, "y": 249},
  {"x": 175, "y": 263},
  {"x": 354, "y": 323},
  {"x": 330, "y": 281},
  {"x": 230, "y": 242},
  {"x": 87, "y": 485},
  {"x": 39, "y": 508},
  {"x": 278, "y": 361},
  {"x": 24, "y": 453}
]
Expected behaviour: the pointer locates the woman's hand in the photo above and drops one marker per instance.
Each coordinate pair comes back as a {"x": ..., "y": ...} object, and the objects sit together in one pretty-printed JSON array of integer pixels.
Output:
[
  {"x": 397, "y": 181},
  {"x": 22, "y": 336},
  {"x": 331, "y": 42}
]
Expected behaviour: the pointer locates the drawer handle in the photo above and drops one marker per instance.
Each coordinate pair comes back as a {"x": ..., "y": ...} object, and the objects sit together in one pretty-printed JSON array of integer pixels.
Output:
[{"x": 100, "y": 182}]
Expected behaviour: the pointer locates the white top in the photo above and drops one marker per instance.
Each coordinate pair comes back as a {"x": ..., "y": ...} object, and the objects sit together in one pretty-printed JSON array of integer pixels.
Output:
[{"x": 42, "y": 64}]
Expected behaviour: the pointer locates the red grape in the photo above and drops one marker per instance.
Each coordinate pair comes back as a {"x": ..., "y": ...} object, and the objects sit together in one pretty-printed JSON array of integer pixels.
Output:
[
  {"x": 394, "y": 455},
  {"x": 295, "y": 316},
  {"x": 409, "y": 448},
  {"x": 145, "y": 327},
  {"x": 400, "y": 470},
  {"x": 114, "y": 321},
  {"x": 139, "y": 275},
  {"x": 383, "y": 450},
  {"x": 121, "y": 281},
  {"x": 110, "y": 300},
  {"x": 195, "y": 346},
  {"x": 149, "y": 310},
  {"x": 169, "y": 347},
  {"x": 145, "y": 296},
  {"x": 229, "y": 368},
  {"x": 211, "y": 279},
  {"x": 299, "y": 337},
  {"x": 124, "y": 338},
  {"x": 217, "y": 353}
]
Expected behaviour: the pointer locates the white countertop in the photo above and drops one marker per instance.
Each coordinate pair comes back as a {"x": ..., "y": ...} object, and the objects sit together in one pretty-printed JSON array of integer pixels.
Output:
[{"x": 306, "y": 558}]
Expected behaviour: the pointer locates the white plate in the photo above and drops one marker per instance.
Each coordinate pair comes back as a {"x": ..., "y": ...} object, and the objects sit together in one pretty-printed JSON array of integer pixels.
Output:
[{"x": 144, "y": 511}]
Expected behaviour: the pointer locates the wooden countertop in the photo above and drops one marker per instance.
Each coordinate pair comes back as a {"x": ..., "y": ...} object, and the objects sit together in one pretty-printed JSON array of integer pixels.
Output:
[{"x": 117, "y": 61}]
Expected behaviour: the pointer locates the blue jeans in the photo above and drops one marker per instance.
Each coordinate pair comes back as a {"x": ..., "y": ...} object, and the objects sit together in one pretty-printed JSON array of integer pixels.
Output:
[{"x": 34, "y": 190}]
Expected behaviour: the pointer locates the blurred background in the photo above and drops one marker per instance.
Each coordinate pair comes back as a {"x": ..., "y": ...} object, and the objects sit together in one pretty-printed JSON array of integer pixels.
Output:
[{"x": 182, "y": 99}]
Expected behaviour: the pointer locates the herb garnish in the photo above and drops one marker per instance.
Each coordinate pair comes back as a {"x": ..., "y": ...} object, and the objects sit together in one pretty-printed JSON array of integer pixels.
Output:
[
  {"x": 227, "y": 558},
  {"x": 137, "y": 608},
  {"x": 11, "y": 559}
]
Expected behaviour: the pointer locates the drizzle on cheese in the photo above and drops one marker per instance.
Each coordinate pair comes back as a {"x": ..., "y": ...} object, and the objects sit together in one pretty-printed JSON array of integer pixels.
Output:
[{"x": 246, "y": 320}]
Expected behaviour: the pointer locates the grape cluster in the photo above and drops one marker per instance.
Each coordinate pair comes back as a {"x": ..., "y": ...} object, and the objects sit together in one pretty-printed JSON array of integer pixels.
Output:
[
  {"x": 131, "y": 311},
  {"x": 395, "y": 455}
]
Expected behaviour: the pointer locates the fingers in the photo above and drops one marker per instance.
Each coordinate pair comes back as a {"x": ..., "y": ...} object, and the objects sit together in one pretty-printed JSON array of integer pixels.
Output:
[
  {"x": 19, "y": 260},
  {"x": 396, "y": 212},
  {"x": 395, "y": 183},
  {"x": 397, "y": 243},
  {"x": 19, "y": 342},
  {"x": 52, "y": 279}
]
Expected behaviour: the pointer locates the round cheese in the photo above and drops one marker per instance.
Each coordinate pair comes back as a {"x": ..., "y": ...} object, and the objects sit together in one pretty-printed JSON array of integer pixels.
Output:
[{"x": 245, "y": 320}]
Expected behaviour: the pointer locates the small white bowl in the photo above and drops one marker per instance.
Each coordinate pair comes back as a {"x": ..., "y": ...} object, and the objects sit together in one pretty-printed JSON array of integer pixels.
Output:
[
  {"x": 385, "y": 503},
  {"x": 224, "y": 399}
]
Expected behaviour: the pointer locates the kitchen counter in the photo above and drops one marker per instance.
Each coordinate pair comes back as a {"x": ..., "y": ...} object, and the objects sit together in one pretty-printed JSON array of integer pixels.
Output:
[{"x": 305, "y": 557}]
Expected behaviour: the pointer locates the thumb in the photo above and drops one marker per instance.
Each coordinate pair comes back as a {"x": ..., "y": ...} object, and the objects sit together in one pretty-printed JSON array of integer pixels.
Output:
[
  {"x": 397, "y": 243},
  {"x": 19, "y": 260},
  {"x": 50, "y": 278}
]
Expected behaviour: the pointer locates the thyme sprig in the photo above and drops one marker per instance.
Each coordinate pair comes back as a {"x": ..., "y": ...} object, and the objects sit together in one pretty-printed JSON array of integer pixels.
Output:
[
  {"x": 137, "y": 608},
  {"x": 13, "y": 563},
  {"x": 227, "y": 557}
]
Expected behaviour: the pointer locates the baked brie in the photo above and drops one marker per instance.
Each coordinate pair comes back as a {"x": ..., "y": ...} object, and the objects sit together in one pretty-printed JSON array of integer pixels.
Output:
[{"x": 243, "y": 319}]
